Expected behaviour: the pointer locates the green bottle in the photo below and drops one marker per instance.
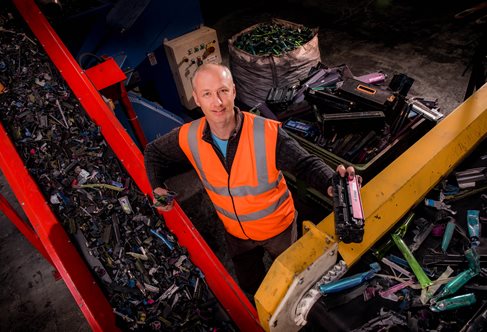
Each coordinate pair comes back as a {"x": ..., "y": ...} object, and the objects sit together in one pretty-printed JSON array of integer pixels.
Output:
[
  {"x": 400, "y": 231},
  {"x": 454, "y": 285},
  {"x": 454, "y": 302},
  {"x": 413, "y": 263},
  {"x": 473, "y": 259}
]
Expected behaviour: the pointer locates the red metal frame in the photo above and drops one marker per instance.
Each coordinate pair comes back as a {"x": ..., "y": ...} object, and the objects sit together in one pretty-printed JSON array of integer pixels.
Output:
[
  {"x": 132, "y": 116},
  {"x": 105, "y": 74},
  {"x": 64, "y": 255},
  {"x": 109, "y": 75},
  {"x": 221, "y": 283},
  {"x": 23, "y": 227}
]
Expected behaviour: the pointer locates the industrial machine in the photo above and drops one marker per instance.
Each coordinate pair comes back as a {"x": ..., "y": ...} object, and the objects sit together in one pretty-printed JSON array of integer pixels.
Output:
[
  {"x": 386, "y": 199},
  {"x": 132, "y": 35},
  {"x": 286, "y": 298}
]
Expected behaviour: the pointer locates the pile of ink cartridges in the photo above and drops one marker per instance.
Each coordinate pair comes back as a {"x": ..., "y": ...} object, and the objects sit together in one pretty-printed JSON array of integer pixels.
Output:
[
  {"x": 146, "y": 276},
  {"x": 353, "y": 120},
  {"x": 430, "y": 272}
]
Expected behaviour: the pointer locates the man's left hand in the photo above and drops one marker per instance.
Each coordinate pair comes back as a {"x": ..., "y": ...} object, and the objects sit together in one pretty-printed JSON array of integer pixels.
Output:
[{"x": 350, "y": 172}]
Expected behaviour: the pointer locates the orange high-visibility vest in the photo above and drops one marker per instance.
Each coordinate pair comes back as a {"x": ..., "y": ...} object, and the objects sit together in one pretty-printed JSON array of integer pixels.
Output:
[{"x": 254, "y": 196}]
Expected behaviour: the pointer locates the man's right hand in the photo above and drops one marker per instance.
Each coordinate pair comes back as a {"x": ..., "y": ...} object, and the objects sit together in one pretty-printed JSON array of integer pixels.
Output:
[{"x": 169, "y": 195}]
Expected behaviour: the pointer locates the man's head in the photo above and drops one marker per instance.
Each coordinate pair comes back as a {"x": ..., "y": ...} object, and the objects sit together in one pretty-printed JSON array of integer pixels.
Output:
[{"x": 214, "y": 92}]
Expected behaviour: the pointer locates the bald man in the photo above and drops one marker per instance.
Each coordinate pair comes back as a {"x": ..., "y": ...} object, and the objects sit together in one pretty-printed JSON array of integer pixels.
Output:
[{"x": 239, "y": 158}]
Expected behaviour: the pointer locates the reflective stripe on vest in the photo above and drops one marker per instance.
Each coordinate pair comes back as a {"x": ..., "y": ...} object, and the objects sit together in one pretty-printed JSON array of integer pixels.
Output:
[{"x": 256, "y": 215}]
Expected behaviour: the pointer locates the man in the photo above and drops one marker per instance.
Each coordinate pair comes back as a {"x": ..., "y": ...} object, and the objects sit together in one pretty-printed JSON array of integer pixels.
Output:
[{"x": 239, "y": 158}]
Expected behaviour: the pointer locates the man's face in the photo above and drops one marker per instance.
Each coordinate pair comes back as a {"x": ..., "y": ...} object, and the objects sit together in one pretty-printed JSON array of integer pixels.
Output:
[{"x": 214, "y": 92}]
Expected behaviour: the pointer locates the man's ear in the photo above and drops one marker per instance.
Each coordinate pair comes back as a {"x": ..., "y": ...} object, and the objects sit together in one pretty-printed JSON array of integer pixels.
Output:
[
  {"x": 234, "y": 91},
  {"x": 196, "y": 99}
]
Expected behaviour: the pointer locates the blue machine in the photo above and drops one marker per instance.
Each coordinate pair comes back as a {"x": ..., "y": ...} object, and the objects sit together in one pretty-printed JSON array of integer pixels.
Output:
[
  {"x": 133, "y": 32},
  {"x": 154, "y": 119}
]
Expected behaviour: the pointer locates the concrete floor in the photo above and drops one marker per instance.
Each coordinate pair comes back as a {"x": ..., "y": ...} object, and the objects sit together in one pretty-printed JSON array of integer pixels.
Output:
[
  {"x": 425, "y": 43},
  {"x": 31, "y": 299}
]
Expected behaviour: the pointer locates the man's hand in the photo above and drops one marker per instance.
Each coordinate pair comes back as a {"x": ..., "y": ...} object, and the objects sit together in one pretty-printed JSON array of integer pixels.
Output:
[
  {"x": 350, "y": 171},
  {"x": 163, "y": 199}
]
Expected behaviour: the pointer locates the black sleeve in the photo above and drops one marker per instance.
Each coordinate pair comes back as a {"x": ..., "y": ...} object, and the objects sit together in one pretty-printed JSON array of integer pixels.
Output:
[
  {"x": 164, "y": 158},
  {"x": 293, "y": 158}
]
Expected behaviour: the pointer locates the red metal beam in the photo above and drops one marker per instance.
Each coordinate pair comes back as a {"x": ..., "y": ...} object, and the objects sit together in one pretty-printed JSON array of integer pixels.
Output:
[
  {"x": 221, "y": 283},
  {"x": 109, "y": 75},
  {"x": 23, "y": 227},
  {"x": 64, "y": 255},
  {"x": 132, "y": 117}
]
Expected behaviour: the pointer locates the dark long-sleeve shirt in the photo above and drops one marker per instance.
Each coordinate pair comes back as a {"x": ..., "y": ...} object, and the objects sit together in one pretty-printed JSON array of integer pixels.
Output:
[{"x": 164, "y": 158}]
